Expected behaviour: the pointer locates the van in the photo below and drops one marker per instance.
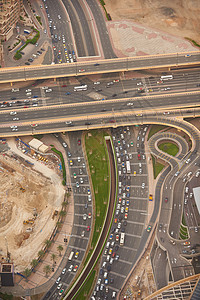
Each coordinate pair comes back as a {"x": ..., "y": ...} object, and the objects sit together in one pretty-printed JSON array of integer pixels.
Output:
[{"x": 15, "y": 90}]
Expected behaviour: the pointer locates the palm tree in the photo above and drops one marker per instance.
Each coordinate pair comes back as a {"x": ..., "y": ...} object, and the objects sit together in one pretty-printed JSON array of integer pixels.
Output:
[
  {"x": 64, "y": 204},
  {"x": 53, "y": 257},
  {"x": 62, "y": 213},
  {"x": 60, "y": 249},
  {"x": 34, "y": 263},
  {"x": 47, "y": 270},
  {"x": 27, "y": 272},
  {"x": 59, "y": 224},
  {"x": 48, "y": 243},
  {"x": 41, "y": 254}
]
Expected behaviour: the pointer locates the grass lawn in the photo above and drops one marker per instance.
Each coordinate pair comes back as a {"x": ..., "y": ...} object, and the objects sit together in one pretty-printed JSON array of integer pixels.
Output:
[
  {"x": 157, "y": 167},
  {"x": 99, "y": 169},
  {"x": 169, "y": 148},
  {"x": 155, "y": 128},
  {"x": 85, "y": 290}
]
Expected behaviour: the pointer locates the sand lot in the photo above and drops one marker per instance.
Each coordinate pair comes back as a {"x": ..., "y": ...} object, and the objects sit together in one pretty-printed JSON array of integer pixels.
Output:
[{"x": 25, "y": 195}]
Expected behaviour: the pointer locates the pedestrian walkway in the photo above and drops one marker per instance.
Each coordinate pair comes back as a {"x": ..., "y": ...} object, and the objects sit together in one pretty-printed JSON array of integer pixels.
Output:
[{"x": 133, "y": 39}]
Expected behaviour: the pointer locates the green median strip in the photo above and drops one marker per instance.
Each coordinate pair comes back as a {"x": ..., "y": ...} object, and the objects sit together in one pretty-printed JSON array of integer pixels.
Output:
[{"x": 83, "y": 291}]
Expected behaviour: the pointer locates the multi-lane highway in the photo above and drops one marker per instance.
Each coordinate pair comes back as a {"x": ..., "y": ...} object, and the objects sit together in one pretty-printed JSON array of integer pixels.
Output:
[{"x": 94, "y": 67}]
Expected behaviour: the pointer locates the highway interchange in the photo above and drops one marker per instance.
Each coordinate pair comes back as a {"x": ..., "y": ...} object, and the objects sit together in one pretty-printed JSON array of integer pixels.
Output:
[{"x": 112, "y": 103}]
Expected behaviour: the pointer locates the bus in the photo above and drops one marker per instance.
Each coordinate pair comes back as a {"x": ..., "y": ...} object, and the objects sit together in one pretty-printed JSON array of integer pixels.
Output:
[
  {"x": 122, "y": 237},
  {"x": 80, "y": 88},
  {"x": 166, "y": 77},
  {"x": 128, "y": 167},
  {"x": 27, "y": 31},
  {"x": 71, "y": 256}
]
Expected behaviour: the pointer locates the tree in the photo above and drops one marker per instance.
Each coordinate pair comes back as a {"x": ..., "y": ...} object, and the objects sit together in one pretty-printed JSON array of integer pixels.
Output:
[
  {"x": 64, "y": 204},
  {"x": 59, "y": 225},
  {"x": 41, "y": 253},
  {"x": 53, "y": 257},
  {"x": 47, "y": 270},
  {"x": 62, "y": 213},
  {"x": 34, "y": 263},
  {"x": 60, "y": 249},
  {"x": 27, "y": 272},
  {"x": 48, "y": 243}
]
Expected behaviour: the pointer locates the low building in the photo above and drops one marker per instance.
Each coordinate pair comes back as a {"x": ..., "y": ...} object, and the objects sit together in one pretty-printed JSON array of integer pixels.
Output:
[{"x": 38, "y": 145}]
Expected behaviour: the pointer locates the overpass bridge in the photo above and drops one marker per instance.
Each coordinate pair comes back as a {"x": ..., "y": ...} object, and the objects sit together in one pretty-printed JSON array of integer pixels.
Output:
[{"x": 34, "y": 72}]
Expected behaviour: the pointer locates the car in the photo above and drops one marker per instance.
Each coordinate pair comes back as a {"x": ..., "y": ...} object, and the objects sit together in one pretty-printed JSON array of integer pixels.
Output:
[
  {"x": 30, "y": 60},
  {"x": 81, "y": 70},
  {"x": 74, "y": 175},
  {"x": 187, "y": 55},
  {"x": 89, "y": 215},
  {"x": 88, "y": 191},
  {"x": 84, "y": 217},
  {"x": 97, "y": 82},
  {"x": 15, "y": 119},
  {"x": 15, "y": 129},
  {"x": 61, "y": 292},
  {"x": 77, "y": 184},
  {"x": 27, "y": 63},
  {"x": 79, "y": 142},
  {"x": 81, "y": 180},
  {"x": 64, "y": 145},
  {"x": 88, "y": 123},
  {"x": 13, "y": 126},
  {"x": 48, "y": 91},
  {"x": 166, "y": 199},
  {"x": 138, "y": 115},
  {"x": 88, "y": 228},
  {"x": 177, "y": 173},
  {"x": 59, "y": 286},
  {"x": 83, "y": 234},
  {"x": 13, "y": 113},
  {"x": 75, "y": 268},
  {"x": 58, "y": 280},
  {"x": 96, "y": 64},
  {"x": 68, "y": 93},
  {"x": 89, "y": 198},
  {"x": 186, "y": 243},
  {"x": 70, "y": 268},
  {"x": 139, "y": 83},
  {"x": 76, "y": 255},
  {"x": 111, "y": 236},
  {"x": 117, "y": 238},
  {"x": 114, "y": 294},
  {"x": 149, "y": 228},
  {"x": 63, "y": 271}
]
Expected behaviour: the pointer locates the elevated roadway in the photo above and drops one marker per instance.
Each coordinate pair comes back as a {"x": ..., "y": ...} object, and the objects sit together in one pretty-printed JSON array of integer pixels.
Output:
[{"x": 98, "y": 67}]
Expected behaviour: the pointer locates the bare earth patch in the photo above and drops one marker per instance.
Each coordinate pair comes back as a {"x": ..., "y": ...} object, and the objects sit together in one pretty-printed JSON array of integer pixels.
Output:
[{"x": 27, "y": 202}]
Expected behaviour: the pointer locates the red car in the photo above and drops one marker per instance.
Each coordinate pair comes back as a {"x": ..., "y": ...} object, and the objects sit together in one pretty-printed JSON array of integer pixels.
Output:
[
  {"x": 79, "y": 142},
  {"x": 120, "y": 200},
  {"x": 139, "y": 157},
  {"x": 115, "y": 221},
  {"x": 64, "y": 85},
  {"x": 117, "y": 238},
  {"x": 88, "y": 228},
  {"x": 25, "y": 106}
]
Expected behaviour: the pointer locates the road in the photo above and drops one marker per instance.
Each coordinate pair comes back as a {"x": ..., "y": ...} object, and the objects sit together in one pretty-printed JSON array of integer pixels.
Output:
[{"x": 91, "y": 67}]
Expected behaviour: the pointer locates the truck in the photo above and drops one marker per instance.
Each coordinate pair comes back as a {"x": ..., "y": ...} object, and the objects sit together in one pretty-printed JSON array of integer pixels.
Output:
[{"x": 150, "y": 197}]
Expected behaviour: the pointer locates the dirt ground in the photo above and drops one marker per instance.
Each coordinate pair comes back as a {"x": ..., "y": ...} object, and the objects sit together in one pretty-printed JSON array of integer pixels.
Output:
[
  {"x": 25, "y": 195},
  {"x": 177, "y": 17}
]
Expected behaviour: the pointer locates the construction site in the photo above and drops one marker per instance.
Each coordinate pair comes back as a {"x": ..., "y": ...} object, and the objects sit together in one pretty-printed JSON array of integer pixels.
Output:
[{"x": 28, "y": 200}]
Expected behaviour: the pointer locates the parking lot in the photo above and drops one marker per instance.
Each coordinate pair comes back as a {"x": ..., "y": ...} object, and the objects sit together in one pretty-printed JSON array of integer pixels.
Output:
[{"x": 130, "y": 214}]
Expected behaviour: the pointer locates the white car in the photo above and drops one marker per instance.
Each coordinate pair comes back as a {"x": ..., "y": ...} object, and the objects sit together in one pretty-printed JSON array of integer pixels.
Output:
[
  {"x": 49, "y": 90},
  {"x": 13, "y": 126},
  {"x": 84, "y": 217},
  {"x": 44, "y": 87},
  {"x": 13, "y": 113},
  {"x": 64, "y": 145},
  {"x": 29, "y": 90},
  {"x": 15, "y": 119},
  {"x": 59, "y": 286},
  {"x": 70, "y": 268},
  {"x": 63, "y": 271},
  {"x": 57, "y": 281},
  {"x": 97, "y": 82}
]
